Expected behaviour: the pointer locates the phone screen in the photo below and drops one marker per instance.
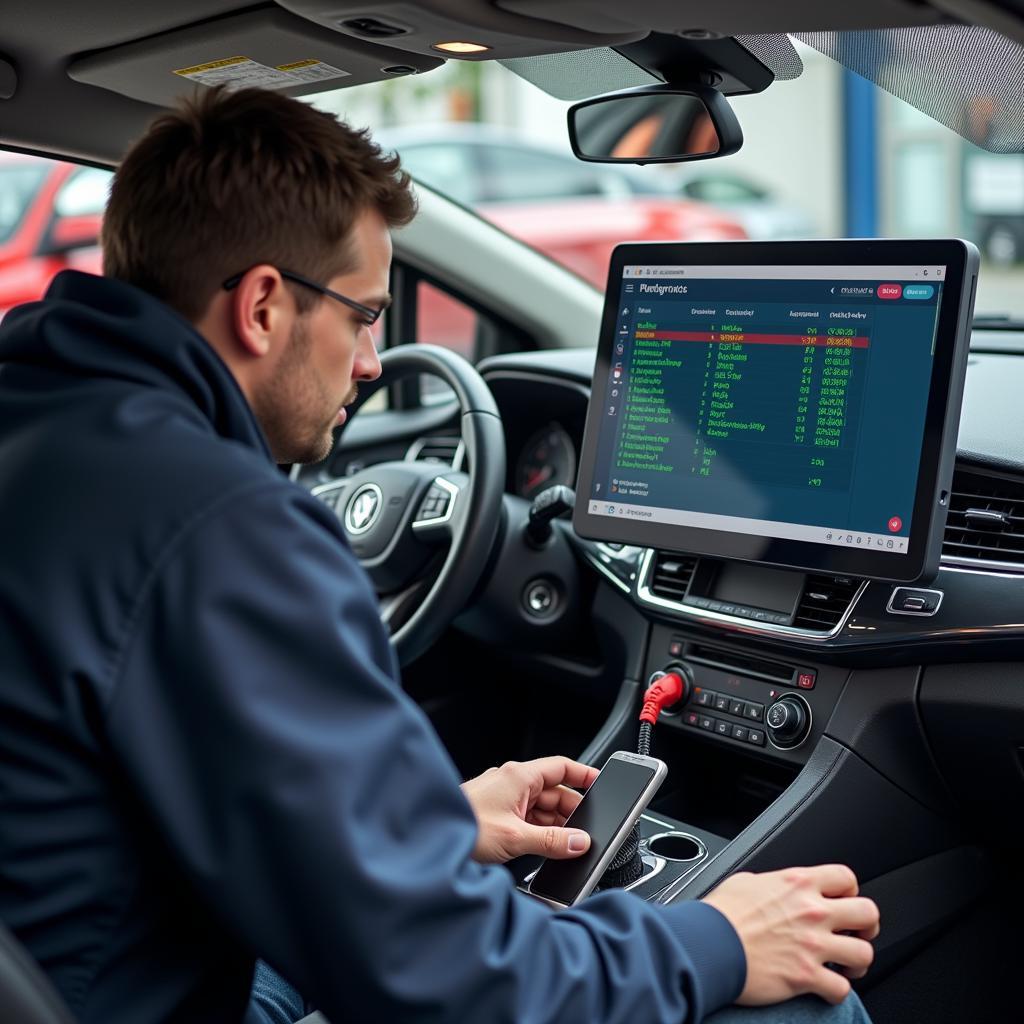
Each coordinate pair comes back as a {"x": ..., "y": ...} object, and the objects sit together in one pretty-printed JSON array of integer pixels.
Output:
[{"x": 601, "y": 813}]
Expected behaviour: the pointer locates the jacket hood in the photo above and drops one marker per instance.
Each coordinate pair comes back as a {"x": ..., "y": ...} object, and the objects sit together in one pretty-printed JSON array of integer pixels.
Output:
[{"x": 99, "y": 327}]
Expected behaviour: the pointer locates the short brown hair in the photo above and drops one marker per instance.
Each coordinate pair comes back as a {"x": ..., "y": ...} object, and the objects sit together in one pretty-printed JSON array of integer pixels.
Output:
[{"x": 232, "y": 179}]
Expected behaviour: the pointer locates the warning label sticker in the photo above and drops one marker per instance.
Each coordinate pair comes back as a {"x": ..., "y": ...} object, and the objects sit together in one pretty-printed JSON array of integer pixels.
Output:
[{"x": 246, "y": 73}]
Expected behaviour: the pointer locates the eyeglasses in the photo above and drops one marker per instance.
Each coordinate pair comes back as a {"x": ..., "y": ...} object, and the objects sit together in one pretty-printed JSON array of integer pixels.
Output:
[{"x": 368, "y": 313}]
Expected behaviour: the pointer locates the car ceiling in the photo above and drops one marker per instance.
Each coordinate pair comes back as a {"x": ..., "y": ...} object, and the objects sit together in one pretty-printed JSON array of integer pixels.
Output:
[{"x": 87, "y": 78}]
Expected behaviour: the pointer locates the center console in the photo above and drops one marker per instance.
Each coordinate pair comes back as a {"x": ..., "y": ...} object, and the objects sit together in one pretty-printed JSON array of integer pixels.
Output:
[{"x": 771, "y": 426}]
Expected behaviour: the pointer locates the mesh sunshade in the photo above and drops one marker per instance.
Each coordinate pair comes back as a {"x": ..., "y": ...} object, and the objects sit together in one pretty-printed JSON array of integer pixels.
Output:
[{"x": 968, "y": 78}]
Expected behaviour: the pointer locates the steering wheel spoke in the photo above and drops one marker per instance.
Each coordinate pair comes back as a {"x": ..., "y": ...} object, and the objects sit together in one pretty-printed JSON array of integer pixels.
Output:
[
  {"x": 332, "y": 494},
  {"x": 396, "y": 608}
]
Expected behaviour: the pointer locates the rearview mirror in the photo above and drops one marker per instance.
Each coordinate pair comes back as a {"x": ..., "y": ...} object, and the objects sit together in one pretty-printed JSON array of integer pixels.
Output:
[{"x": 654, "y": 124}]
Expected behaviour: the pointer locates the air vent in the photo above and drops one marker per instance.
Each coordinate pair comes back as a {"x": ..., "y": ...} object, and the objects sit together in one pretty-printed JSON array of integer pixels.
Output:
[
  {"x": 671, "y": 574},
  {"x": 447, "y": 450},
  {"x": 824, "y": 602},
  {"x": 986, "y": 519}
]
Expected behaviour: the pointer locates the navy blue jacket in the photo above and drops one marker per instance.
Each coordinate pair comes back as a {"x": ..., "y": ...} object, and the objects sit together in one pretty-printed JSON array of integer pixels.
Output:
[{"x": 205, "y": 752}]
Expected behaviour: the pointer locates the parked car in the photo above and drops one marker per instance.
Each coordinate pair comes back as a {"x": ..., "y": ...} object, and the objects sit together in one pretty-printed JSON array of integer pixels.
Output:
[
  {"x": 50, "y": 215},
  {"x": 574, "y": 212},
  {"x": 483, "y": 166},
  {"x": 762, "y": 214}
]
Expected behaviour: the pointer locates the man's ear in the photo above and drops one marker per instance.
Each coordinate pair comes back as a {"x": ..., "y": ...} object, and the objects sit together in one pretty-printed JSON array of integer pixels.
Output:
[{"x": 260, "y": 307}]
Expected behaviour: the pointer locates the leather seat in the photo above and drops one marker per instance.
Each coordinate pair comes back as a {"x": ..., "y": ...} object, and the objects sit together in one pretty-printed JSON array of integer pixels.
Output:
[{"x": 26, "y": 995}]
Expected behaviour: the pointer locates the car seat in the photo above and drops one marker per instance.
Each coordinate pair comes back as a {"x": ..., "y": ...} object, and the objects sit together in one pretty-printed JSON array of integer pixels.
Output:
[{"x": 26, "y": 995}]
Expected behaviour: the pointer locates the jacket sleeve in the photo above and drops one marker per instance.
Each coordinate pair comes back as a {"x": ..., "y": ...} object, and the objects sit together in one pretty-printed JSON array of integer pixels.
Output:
[{"x": 256, "y": 710}]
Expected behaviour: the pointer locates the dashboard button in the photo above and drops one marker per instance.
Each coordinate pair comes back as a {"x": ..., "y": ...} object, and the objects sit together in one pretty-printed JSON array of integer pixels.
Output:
[
  {"x": 914, "y": 601},
  {"x": 691, "y": 718},
  {"x": 739, "y": 732},
  {"x": 675, "y": 649},
  {"x": 806, "y": 680},
  {"x": 721, "y": 702},
  {"x": 737, "y": 707},
  {"x": 755, "y": 712},
  {"x": 704, "y": 698},
  {"x": 707, "y": 723},
  {"x": 755, "y": 736},
  {"x": 723, "y": 728}
]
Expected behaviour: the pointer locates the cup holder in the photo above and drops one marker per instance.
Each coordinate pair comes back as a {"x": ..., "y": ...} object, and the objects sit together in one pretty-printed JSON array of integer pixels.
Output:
[{"x": 676, "y": 846}]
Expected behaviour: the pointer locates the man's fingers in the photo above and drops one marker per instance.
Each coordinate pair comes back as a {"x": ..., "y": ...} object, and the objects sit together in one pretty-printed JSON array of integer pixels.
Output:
[
  {"x": 552, "y": 841},
  {"x": 853, "y": 955},
  {"x": 559, "y": 771},
  {"x": 830, "y": 985},
  {"x": 560, "y": 799},
  {"x": 538, "y": 817},
  {"x": 835, "y": 880},
  {"x": 855, "y": 914}
]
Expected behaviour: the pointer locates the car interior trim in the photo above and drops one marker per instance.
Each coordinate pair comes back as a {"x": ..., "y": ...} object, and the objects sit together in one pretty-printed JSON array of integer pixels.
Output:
[
  {"x": 415, "y": 449},
  {"x": 646, "y": 596}
]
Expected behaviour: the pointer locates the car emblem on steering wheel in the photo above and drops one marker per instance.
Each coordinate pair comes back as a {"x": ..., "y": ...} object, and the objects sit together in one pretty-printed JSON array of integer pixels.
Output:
[{"x": 363, "y": 509}]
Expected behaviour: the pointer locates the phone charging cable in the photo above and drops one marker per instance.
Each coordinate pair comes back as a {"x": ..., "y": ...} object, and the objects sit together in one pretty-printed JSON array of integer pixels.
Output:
[{"x": 627, "y": 865}]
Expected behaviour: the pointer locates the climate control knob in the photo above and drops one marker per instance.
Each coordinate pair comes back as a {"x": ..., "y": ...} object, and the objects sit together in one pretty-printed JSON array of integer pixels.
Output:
[{"x": 788, "y": 721}]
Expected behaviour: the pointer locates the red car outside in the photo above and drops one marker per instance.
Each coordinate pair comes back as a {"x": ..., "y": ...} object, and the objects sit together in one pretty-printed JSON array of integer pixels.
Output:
[
  {"x": 50, "y": 215},
  {"x": 581, "y": 233}
]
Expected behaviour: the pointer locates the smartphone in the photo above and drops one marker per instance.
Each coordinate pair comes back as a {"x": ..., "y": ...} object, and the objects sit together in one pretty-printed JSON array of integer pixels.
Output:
[{"x": 606, "y": 813}]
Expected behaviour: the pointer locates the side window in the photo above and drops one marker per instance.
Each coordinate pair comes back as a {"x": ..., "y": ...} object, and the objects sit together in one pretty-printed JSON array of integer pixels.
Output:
[
  {"x": 20, "y": 181},
  {"x": 85, "y": 192},
  {"x": 443, "y": 320}
]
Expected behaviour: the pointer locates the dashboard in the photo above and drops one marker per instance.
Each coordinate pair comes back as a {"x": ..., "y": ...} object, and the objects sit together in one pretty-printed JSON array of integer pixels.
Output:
[{"x": 543, "y": 397}]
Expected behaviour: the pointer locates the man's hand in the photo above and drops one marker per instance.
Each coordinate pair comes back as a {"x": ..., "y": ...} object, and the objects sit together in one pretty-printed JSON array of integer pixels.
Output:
[
  {"x": 522, "y": 806},
  {"x": 791, "y": 924}
]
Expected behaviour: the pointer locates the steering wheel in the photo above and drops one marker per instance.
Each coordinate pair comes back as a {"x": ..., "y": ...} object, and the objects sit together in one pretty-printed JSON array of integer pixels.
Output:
[{"x": 399, "y": 516}]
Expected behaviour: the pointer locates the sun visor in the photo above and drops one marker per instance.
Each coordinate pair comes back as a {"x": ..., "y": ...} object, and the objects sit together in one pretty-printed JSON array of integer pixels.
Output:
[{"x": 269, "y": 49}]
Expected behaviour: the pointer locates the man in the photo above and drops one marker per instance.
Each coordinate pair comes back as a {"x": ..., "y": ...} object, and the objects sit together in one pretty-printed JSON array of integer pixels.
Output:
[{"x": 205, "y": 753}]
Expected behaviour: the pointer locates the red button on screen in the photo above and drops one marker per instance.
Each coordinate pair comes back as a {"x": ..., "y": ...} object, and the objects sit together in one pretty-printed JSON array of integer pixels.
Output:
[
  {"x": 890, "y": 291},
  {"x": 895, "y": 524}
]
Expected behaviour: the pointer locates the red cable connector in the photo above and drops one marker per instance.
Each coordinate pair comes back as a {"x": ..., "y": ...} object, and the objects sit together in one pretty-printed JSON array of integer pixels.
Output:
[{"x": 664, "y": 692}]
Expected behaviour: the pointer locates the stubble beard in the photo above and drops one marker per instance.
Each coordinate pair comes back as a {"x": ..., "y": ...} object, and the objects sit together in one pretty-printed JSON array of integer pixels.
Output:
[{"x": 294, "y": 394}]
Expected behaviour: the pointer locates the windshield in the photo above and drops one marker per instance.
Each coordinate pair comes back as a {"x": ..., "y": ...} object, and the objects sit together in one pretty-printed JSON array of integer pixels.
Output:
[
  {"x": 18, "y": 184},
  {"x": 826, "y": 154}
]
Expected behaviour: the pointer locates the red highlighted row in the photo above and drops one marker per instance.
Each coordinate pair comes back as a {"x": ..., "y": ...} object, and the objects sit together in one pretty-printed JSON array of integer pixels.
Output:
[{"x": 730, "y": 337}]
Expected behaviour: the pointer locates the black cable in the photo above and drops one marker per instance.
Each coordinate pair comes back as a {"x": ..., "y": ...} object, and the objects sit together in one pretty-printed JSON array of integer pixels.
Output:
[{"x": 643, "y": 743}]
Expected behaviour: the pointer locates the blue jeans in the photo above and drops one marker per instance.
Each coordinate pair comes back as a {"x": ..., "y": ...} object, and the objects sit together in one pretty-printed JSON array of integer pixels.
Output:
[
  {"x": 274, "y": 1001},
  {"x": 805, "y": 1010}
]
